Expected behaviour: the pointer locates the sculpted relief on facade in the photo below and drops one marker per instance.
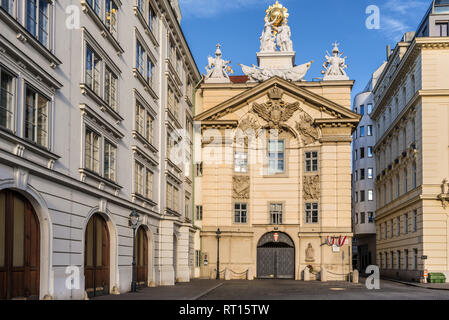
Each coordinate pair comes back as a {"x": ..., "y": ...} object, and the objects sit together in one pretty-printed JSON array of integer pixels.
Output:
[
  {"x": 240, "y": 187},
  {"x": 311, "y": 188}
]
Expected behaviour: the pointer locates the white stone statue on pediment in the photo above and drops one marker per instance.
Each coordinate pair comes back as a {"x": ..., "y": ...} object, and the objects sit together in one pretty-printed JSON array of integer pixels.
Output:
[
  {"x": 283, "y": 37},
  {"x": 335, "y": 65},
  {"x": 217, "y": 68},
  {"x": 267, "y": 40}
]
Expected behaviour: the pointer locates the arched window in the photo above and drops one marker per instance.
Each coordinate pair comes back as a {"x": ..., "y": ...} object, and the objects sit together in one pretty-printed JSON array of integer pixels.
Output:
[
  {"x": 405, "y": 181},
  {"x": 414, "y": 176}
]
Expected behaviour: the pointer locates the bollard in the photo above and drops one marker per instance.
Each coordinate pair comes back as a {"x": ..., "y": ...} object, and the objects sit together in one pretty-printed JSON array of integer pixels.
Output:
[
  {"x": 323, "y": 274},
  {"x": 227, "y": 274},
  {"x": 250, "y": 274},
  {"x": 306, "y": 274},
  {"x": 355, "y": 276}
]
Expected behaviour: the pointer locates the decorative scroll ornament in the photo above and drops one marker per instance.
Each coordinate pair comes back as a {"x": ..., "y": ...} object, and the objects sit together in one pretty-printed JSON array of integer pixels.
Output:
[
  {"x": 311, "y": 188},
  {"x": 306, "y": 128},
  {"x": 240, "y": 187},
  {"x": 218, "y": 69},
  {"x": 335, "y": 65},
  {"x": 276, "y": 111}
]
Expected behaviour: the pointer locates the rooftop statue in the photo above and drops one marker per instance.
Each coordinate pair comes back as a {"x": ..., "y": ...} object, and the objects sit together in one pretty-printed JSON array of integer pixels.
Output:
[
  {"x": 217, "y": 68},
  {"x": 276, "y": 33},
  {"x": 257, "y": 74},
  {"x": 335, "y": 65}
]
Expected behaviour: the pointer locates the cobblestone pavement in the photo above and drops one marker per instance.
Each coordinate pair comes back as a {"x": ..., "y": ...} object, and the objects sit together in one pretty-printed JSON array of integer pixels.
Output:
[{"x": 281, "y": 290}]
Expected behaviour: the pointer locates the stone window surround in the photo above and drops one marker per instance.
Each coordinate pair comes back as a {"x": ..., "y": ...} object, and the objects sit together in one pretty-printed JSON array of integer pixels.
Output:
[
  {"x": 148, "y": 164},
  {"x": 152, "y": 34},
  {"x": 305, "y": 215},
  {"x": 149, "y": 109},
  {"x": 88, "y": 40},
  {"x": 233, "y": 213}
]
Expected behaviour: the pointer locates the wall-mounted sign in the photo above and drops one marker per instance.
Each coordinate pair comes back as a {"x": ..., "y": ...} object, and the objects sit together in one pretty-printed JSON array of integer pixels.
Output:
[
  {"x": 276, "y": 236},
  {"x": 424, "y": 257}
]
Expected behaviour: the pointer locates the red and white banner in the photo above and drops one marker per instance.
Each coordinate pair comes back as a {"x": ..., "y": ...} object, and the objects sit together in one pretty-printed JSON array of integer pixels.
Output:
[{"x": 336, "y": 241}]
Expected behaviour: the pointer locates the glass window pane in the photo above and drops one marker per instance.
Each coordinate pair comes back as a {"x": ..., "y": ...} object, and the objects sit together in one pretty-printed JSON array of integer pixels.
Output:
[
  {"x": 19, "y": 233},
  {"x": 30, "y": 114},
  {"x": 42, "y": 122},
  {"x": 6, "y": 100},
  {"x": 31, "y": 8}
]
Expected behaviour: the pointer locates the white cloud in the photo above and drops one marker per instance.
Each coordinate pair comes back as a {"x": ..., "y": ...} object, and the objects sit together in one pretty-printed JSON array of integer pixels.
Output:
[
  {"x": 210, "y": 8},
  {"x": 401, "y": 16}
]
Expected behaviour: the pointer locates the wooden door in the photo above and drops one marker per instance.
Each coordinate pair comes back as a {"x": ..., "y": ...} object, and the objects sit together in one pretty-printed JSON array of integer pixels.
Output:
[
  {"x": 96, "y": 258},
  {"x": 142, "y": 257},
  {"x": 19, "y": 247}
]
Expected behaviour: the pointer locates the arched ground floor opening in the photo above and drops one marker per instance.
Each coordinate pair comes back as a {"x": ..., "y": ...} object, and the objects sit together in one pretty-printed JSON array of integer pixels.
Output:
[{"x": 275, "y": 256}]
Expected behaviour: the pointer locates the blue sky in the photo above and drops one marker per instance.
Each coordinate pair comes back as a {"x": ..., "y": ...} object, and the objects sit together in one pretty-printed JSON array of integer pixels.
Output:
[{"x": 237, "y": 25}]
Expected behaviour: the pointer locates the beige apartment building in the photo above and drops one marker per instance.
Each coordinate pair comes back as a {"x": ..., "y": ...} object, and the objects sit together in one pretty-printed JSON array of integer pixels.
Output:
[
  {"x": 411, "y": 115},
  {"x": 273, "y": 170}
]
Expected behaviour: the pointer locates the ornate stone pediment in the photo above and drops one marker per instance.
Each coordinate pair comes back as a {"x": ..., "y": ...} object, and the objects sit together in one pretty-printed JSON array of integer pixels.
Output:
[{"x": 240, "y": 187}]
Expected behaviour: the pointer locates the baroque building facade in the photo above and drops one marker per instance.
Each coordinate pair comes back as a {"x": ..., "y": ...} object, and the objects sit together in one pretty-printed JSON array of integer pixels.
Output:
[
  {"x": 273, "y": 166},
  {"x": 95, "y": 94},
  {"x": 363, "y": 175},
  {"x": 411, "y": 120}
]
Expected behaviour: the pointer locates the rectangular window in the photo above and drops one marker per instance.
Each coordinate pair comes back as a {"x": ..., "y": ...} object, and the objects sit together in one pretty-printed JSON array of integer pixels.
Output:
[
  {"x": 311, "y": 161},
  {"x": 111, "y": 17},
  {"x": 171, "y": 100},
  {"x": 370, "y": 195},
  {"x": 370, "y": 173},
  {"x": 406, "y": 223},
  {"x": 6, "y": 100},
  {"x": 37, "y": 19},
  {"x": 370, "y": 217},
  {"x": 399, "y": 260},
  {"x": 442, "y": 29},
  {"x": 362, "y": 153},
  {"x": 276, "y": 212},
  {"x": 8, "y": 5},
  {"x": 362, "y": 174},
  {"x": 149, "y": 184},
  {"x": 199, "y": 213},
  {"x": 362, "y": 131},
  {"x": 392, "y": 259},
  {"x": 415, "y": 220},
  {"x": 150, "y": 70},
  {"x": 175, "y": 199},
  {"x": 415, "y": 259},
  {"x": 369, "y": 130},
  {"x": 36, "y": 117},
  {"x": 110, "y": 88},
  {"x": 92, "y": 151},
  {"x": 370, "y": 152},
  {"x": 276, "y": 156},
  {"x": 362, "y": 196},
  {"x": 392, "y": 228},
  {"x": 197, "y": 258},
  {"x": 241, "y": 162},
  {"x": 199, "y": 169},
  {"x": 92, "y": 72},
  {"x": 110, "y": 157},
  {"x": 240, "y": 213},
  {"x": 96, "y": 5},
  {"x": 140, "y": 54},
  {"x": 140, "y": 119},
  {"x": 152, "y": 19},
  {"x": 138, "y": 180},
  {"x": 398, "y": 219},
  {"x": 370, "y": 108},
  {"x": 362, "y": 109},
  {"x": 362, "y": 218},
  {"x": 149, "y": 135},
  {"x": 311, "y": 213}
]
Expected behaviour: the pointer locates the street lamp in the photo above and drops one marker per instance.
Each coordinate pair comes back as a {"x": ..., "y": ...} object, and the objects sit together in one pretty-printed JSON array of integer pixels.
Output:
[
  {"x": 133, "y": 222},
  {"x": 218, "y": 253}
]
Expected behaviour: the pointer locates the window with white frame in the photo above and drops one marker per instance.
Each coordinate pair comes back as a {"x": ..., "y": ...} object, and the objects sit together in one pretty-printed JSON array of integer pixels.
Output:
[
  {"x": 148, "y": 184},
  {"x": 370, "y": 173},
  {"x": 171, "y": 100},
  {"x": 7, "y": 92},
  {"x": 37, "y": 22},
  {"x": 172, "y": 197},
  {"x": 140, "y": 58},
  {"x": 144, "y": 123},
  {"x": 311, "y": 213},
  {"x": 241, "y": 213},
  {"x": 197, "y": 258},
  {"x": 241, "y": 162},
  {"x": 92, "y": 72},
  {"x": 199, "y": 213},
  {"x": 152, "y": 19},
  {"x": 311, "y": 161},
  {"x": 370, "y": 195},
  {"x": 36, "y": 117},
  {"x": 150, "y": 70},
  {"x": 92, "y": 151},
  {"x": 96, "y": 5},
  {"x": 276, "y": 213},
  {"x": 139, "y": 182},
  {"x": 369, "y": 130},
  {"x": 111, "y": 16},
  {"x": 110, "y": 88},
  {"x": 109, "y": 163},
  {"x": 8, "y": 5},
  {"x": 276, "y": 152},
  {"x": 370, "y": 108}
]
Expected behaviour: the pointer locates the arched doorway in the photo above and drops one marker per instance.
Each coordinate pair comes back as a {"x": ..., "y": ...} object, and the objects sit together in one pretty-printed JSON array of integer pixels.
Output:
[
  {"x": 97, "y": 256},
  {"x": 276, "y": 256},
  {"x": 142, "y": 257},
  {"x": 19, "y": 247}
]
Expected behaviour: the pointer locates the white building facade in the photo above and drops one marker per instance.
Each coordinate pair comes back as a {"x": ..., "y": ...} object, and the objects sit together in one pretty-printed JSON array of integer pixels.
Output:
[
  {"x": 96, "y": 100},
  {"x": 364, "y": 173}
]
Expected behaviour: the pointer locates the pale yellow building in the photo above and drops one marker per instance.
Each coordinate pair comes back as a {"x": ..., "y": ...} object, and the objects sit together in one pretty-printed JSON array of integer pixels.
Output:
[
  {"x": 411, "y": 115},
  {"x": 275, "y": 219}
]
